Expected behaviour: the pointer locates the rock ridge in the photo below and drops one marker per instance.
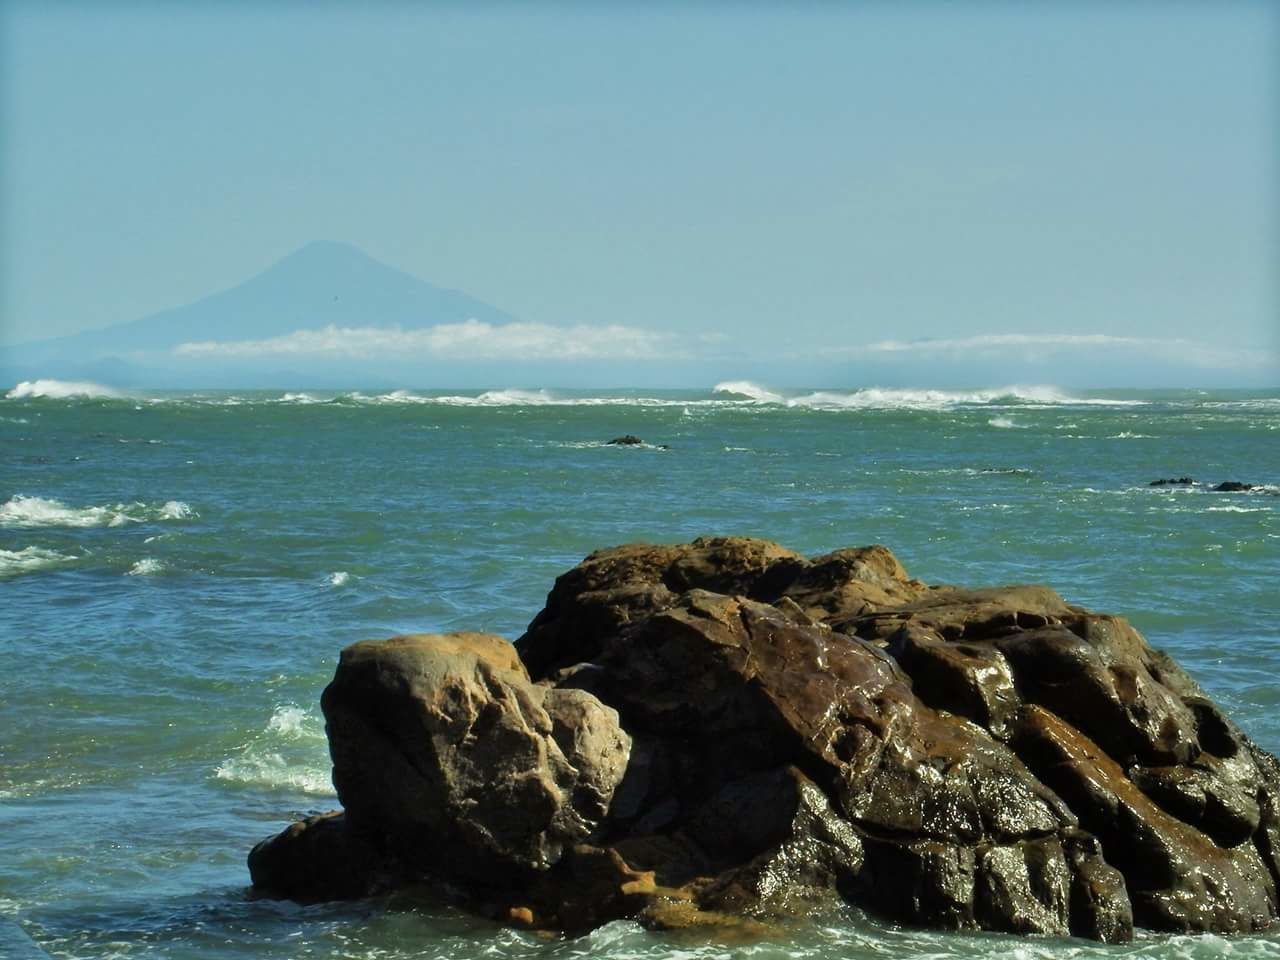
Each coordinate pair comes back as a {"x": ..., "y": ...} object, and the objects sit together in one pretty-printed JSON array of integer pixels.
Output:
[{"x": 723, "y": 732}]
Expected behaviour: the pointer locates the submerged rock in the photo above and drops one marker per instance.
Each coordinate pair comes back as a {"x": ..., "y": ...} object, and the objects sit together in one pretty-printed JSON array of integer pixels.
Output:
[{"x": 724, "y": 732}]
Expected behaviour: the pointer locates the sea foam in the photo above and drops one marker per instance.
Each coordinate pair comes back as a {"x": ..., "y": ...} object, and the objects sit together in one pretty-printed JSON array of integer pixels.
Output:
[
  {"x": 747, "y": 389},
  {"x": 893, "y": 398},
  {"x": 14, "y": 563},
  {"x": 23, "y": 511},
  {"x": 502, "y": 398},
  {"x": 60, "y": 390},
  {"x": 290, "y": 753}
]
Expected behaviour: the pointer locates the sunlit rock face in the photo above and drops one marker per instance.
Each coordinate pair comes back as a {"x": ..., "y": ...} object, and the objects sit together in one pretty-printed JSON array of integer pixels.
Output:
[{"x": 724, "y": 731}]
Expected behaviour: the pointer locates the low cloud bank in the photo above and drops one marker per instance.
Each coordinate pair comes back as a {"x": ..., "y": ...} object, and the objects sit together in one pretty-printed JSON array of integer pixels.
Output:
[
  {"x": 524, "y": 343},
  {"x": 470, "y": 340},
  {"x": 1042, "y": 346}
]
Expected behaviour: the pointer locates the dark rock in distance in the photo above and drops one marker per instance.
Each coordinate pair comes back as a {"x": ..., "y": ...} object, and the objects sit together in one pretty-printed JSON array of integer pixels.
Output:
[
  {"x": 724, "y": 732},
  {"x": 627, "y": 440},
  {"x": 1172, "y": 482},
  {"x": 1233, "y": 486}
]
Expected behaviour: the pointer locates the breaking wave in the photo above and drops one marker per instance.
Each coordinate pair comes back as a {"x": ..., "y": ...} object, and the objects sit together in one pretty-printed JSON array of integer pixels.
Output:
[
  {"x": 22, "y": 511},
  {"x": 60, "y": 390},
  {"x": 15, "y": 563},
  {"x": 745, "y": 388},
  {"x": 889, "y": 398},
  {"x": 501, "y": 398},
  {"x": 290, "y": 753},
  {"x": 146, "y": 567}
]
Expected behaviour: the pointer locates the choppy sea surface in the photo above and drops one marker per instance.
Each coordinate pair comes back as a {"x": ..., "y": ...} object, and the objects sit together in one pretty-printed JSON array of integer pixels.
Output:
[{"x": 178, "y": 572}]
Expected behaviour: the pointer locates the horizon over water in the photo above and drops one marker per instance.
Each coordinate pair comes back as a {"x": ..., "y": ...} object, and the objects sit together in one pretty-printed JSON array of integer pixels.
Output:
[{"x": 179, "y": 570}]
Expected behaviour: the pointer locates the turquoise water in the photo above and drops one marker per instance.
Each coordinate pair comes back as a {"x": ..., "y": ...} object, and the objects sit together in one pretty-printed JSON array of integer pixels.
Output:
[{"x": 179, "y": 571}]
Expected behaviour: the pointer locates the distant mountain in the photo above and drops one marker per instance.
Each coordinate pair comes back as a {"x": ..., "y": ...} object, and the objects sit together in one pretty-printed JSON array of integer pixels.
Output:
[{"x": 320, "y": 284}]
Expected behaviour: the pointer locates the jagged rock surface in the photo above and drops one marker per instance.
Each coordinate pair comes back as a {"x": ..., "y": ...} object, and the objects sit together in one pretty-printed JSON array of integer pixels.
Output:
[{"x": 721, "y": 732}]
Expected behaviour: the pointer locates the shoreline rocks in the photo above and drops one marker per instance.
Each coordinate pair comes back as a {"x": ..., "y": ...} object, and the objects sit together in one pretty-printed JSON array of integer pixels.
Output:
[{"x": 723, "y": 732}]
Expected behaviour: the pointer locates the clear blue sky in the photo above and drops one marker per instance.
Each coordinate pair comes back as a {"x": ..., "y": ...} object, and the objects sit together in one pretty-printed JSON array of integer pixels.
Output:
[{"x": 814, "y": 176}]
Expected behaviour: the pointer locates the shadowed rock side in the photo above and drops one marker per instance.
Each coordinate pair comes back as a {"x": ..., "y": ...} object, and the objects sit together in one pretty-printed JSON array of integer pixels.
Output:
[{"x": 721, "y": 733}]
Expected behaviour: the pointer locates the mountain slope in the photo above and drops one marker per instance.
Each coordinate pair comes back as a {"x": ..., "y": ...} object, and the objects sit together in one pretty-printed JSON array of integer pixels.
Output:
[{"x": 317, "y": 285}]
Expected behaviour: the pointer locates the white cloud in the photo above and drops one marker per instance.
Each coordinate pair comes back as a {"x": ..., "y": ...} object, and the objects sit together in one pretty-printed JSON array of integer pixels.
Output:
[
  {"x": 1010, "y": 340},
  {"x": 1041, "y": 346},
  {"x": 469, "y": 340}
]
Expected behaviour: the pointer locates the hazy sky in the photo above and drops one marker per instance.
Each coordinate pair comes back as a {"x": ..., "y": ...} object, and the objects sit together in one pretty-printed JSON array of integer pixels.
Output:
[{"x": 815, "y": 176}]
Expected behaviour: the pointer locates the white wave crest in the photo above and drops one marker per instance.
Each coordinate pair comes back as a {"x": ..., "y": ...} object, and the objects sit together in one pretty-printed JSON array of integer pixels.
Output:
[
  {"x": 884, "y": 398},
  {"x": 504, "y": 398},
  {"x": 400, "y": 396},
  {"x": 339, "y": 578},
  {"x": 23, "y": 511},
  {"x": 146, "y": 567},
  {"x": 745, "y": 388},
  {"x": 291, "y": 753},
  {"x": 894, "y": 398},
  {"x": 14, "y": 563},
  {"x": 175, "y": 510},
  {"x": 1006, "y": 423},
  {"x": 60, "y": 390}
]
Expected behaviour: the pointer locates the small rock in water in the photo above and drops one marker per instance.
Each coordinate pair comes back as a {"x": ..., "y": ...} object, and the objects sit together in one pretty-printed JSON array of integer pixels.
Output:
[
  {"x": 1233, "y": 486},
  {"x": 1172, "y": 482},
  {"x": 722, "y": 733},
  {"x": 626, "y": 440}
]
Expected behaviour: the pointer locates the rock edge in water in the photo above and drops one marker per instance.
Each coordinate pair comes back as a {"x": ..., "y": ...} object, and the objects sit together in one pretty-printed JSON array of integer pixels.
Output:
[{"x": 723, "y": 732}]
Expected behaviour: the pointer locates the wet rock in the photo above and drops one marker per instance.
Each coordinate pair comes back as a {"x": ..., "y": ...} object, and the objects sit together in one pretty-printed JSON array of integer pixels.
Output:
[
  {"x": 1172, "y": 482},
  {"x": 718, "y": 734},
  {"x": 1177, "y": 878},
  {"x": 799, "y": 849},
  {"x": 319, "y": 859},
  {"x": 1100, "y": 907},
  {"x": 627, "y": 440},
  {"x": 614, "y": 587},
  {"x": 1233, "y": 486}
]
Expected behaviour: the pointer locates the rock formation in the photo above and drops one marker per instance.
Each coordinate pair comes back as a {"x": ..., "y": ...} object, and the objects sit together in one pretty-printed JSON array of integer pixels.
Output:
[{"x": 725, "y": 731}]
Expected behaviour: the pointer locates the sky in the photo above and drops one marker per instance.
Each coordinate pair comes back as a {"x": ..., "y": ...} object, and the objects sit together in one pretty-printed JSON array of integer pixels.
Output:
[{"x": 923, "y": 184}]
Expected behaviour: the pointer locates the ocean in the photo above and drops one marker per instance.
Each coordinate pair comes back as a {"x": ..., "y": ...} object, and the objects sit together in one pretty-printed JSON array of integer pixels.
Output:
[{"x": 178, "y": 572}]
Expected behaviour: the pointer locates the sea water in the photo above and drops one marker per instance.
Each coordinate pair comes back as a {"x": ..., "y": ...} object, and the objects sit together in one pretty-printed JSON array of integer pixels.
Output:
[{"x": 178, "y": 572}]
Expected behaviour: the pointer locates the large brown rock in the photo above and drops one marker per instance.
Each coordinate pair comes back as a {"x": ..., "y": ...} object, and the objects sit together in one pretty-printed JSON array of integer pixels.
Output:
[
  {"x": 612, "y": 588},
  {"x": 719, "y": 733},
  {"x": 445, "y": 752}
]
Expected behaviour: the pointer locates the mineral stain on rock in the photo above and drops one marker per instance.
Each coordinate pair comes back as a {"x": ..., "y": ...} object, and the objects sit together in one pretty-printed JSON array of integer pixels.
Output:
[{"x": 721, "y": 733}]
